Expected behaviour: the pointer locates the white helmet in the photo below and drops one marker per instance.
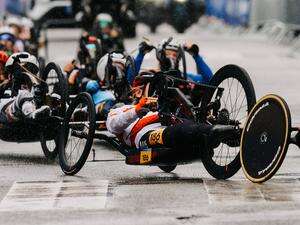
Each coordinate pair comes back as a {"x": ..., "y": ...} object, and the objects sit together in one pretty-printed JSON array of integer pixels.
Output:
[
  {"x": 172, "y": 45},
  {"x": 29, "y": 61},
  {"x": 107, "y": 60},
  {"x": 13, "y": 20}
]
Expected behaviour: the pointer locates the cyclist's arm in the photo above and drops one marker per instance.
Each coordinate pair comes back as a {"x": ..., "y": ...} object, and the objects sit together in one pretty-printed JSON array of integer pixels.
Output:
[
  {"x": 119, "y": 119},
  {"x": 130, "y": 75},
  {"x": 203, "y": 69}
]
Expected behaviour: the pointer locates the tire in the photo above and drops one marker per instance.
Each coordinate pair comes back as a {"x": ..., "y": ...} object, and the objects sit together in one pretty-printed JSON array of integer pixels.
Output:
[
  {"x": 265, "y": 138},
  {"x": 49, "y": 147},
  {"x": 83, "y": 100},
  {"x": 210, "y": 158},
  {"x": 167, "y": 169}
]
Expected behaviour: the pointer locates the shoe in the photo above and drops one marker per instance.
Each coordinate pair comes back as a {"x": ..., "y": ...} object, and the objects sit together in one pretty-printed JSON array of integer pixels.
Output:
[
  {"x": 42, "y": 112},
  {"x": 223, "y": 134}
]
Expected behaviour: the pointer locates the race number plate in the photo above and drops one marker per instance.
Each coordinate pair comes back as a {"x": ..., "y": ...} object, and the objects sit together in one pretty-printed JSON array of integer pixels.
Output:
[{"x": 145, "y": 156}]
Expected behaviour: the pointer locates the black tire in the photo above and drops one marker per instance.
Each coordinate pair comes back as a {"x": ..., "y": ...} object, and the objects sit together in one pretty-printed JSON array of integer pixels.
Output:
[
  {"x": 210, "y": 158},
  {"x": 167, "y": 169},
  {"x": 49, "y": 147},
  {"x": 66, "y": 137},
  {"x": 265, "y": 138}
]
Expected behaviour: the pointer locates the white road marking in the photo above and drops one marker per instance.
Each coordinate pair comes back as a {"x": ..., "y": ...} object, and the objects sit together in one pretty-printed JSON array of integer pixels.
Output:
[
  {"x": 44, "y": 195},
  {"x": 232, "y": 192}
]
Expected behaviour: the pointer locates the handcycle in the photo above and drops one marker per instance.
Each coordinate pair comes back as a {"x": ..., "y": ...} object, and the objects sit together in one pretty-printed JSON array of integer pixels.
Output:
[
  {"x": 266, "y": 137},
  {"x": 56, "y": 131},
  {"x": 216, "y": 107}
]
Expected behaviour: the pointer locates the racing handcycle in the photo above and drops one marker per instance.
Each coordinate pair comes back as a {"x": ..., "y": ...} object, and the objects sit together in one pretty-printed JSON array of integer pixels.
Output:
[
  {"x": 266, "y": 137},
  {"x": 54, "y": 132},
  {"x": 226, "y": 100}
]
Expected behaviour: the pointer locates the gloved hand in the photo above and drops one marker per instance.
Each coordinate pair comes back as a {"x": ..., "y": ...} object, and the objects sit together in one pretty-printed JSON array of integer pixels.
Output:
[
  {"x": 140, "y": 107},
  {"x": 145, "y": 48},
  {"x": 70, "y": 66},
  {"x": 193, "y": 49}
]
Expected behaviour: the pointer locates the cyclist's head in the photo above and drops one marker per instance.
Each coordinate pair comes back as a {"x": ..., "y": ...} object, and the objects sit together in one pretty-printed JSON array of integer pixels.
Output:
[
  {"x": 27, "y": 61},
  {"x": 15, "y": 23},
  {"x": 168, "y": 54},
  {"x": 111, "y": 73},
  {"x": 104, "y": 22},
  {"x": 111, "y": 68},
  {"x": 7, "y": 39}
]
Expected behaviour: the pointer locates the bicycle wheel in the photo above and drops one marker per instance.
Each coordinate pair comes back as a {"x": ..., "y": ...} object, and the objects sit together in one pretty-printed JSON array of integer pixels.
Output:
[
  {"x": 265, "y": 138},
  {"x": 78, "y": 132},
  {"x": 57, "y": 84},
  {"x": 238, "y": 98}
]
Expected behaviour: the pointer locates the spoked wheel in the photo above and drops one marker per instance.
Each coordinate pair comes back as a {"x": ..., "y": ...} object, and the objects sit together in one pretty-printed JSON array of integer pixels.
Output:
[
  {"x": 167, "y": 169},
  {"x": 57, "y": 84},
  {"x": 265, "y": 138},
  {"x": 237, "y": 100},
  {"x": 78, "y": 133}
]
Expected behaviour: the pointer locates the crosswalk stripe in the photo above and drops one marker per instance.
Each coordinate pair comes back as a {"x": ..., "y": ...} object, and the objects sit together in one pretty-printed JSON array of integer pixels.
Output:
[{"x": 47, "y": 195}]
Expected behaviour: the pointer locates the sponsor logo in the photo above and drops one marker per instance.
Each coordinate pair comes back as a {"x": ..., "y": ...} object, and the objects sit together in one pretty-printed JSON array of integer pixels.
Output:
[
  {"x": 253, "y": 117},
  {"x": 145, "y": 156},
  {"x": 271, "y": 164}
]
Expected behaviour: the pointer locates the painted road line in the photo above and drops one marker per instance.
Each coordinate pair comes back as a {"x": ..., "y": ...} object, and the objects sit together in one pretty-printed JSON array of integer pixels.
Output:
[
  {"x": 51, "y": 195},
  {"x": 232, "y": 192}
]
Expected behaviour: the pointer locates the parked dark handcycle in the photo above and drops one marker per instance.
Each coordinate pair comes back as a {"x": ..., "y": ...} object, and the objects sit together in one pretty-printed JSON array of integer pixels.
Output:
[
  {"x": 266, "y": 137},
  {"x": 226, "y": 100},
  {"x": 59, "y": 130}
]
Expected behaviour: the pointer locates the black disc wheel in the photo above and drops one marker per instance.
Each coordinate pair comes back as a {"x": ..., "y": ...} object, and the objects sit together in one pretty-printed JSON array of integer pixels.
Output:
[
  {"x": 57, "y": 84},
  {"x": 78, "y": 133},
  {"x": 265, "y": 138},
  {"x": 223, "y": 160},
  {"x": 167, "y": 169}
]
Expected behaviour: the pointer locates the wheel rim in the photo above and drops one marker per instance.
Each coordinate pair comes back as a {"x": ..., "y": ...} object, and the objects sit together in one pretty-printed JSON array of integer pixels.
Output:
[
  {"x": 265, "y": 138},
  {"x": 234, "y": 111},
  {"x": 77, "y": 131}
]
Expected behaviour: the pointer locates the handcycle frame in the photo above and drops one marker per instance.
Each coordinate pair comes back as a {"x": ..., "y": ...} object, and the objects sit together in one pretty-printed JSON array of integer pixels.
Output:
[
  {"x": 197, "y": 114},
  {"x": 44, "y": 129}
]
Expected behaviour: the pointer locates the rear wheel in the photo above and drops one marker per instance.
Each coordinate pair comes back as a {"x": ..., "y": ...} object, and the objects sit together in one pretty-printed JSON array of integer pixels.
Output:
[
  {"x": 76, "y": 139},
  {"x": 265, "y": 138},
  {"x": 57, "y": 84},
  {"x": 238, "y": 98}
]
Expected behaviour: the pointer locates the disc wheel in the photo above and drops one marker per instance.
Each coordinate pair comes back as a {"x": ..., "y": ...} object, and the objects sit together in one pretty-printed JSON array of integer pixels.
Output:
[
  {"x": 238, "y": 98},
  {"x": 78, "y": 133},
  {"x": 265, "y": 138},
  {"x": 57, "y": 84},
  {"x": 167, "y": 169}
]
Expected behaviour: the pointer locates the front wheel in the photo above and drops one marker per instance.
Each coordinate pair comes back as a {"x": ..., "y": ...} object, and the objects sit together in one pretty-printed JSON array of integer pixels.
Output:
[
  {"x": 76, "y": 137},
  {"x": 238, "y": 98},
  {"x": 57, "y": 84}
]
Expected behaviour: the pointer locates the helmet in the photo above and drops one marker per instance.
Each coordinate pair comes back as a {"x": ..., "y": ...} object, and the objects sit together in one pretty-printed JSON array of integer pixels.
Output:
[
  {"x": 92, "y": 86},
  {"x": 3, "y": 57},
  {"x": 167, "y": 62},
  {"x": 13, "y": 20},
  {"x": 104, "y": 20},
  {"x": 29, "y": 61},
  {"x": 107, "y": 61}
]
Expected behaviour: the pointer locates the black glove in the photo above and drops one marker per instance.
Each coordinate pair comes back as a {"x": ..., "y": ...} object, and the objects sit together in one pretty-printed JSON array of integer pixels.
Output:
[
  {"x": 144, "y": 47},
  {"x": 142, "y": 112},
  {"x": 193, "y": 49}
]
